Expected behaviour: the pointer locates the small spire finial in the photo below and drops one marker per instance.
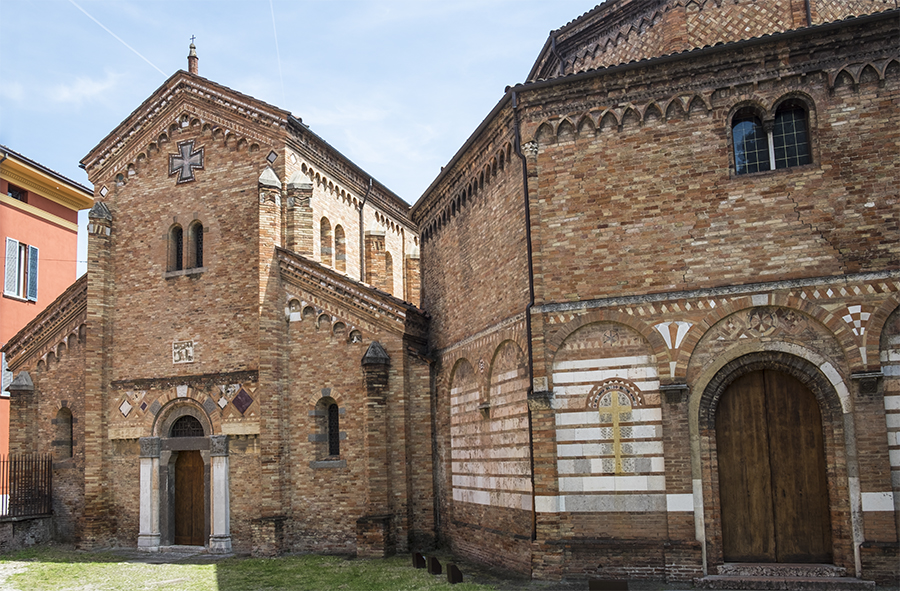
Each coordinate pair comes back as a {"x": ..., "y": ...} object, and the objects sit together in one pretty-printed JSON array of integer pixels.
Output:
[{"x": 193, "y": 60}]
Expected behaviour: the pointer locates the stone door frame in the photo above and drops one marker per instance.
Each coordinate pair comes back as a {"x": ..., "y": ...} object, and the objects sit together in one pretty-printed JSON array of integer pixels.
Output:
[
  {"x": 157, "y": 468},
  {"x": 832, "y": 395}
]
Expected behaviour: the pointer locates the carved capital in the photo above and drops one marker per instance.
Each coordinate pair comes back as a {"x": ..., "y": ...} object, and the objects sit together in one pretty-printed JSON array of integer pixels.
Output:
[
  {"x": 675, "y": 393},
  {"x": 150, "y": 447},
  {"x": 868, "y": 382},
  {"x": 542, "y": 400},
  {"x": 218, "y": 445}
]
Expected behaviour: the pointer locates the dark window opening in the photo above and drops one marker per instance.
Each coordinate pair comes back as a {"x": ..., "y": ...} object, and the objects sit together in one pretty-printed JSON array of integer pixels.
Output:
[
  {"x": 334, "y": 431},
  {"x": 187, "y": 426},
  {"x": 17, "y": 193},
  {"x": 176, "y": 249}
]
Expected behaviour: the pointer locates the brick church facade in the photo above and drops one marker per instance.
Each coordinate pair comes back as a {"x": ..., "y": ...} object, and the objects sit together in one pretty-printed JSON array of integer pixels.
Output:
[{"x": 658, "y": 329}]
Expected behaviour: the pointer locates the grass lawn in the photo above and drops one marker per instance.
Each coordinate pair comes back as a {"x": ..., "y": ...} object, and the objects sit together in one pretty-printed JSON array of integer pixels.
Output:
[{"x": 56, "y": 569}]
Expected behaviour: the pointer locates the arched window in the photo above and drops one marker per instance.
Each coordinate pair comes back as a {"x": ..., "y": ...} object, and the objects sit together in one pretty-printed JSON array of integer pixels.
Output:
[
  {"x": 325, "y": 241},
  {"x": 751, "y": 147},
  {"x": 783, "y": 143},
  {"x": 388, "y": 273},
  {"x": 334, "y": 430},
  {"x": 64, "y": 442},
  {"x": 340, "y": 249},
  {"x": 790, "y": 136},
  {"x": 176, "y": 248},
  {"x": 195, "y": 245},
  {"x": 186, "y": 426}
]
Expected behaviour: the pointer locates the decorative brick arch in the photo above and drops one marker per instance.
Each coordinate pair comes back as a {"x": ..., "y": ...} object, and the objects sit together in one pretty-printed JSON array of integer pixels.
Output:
[
  {"x": 491, "y": 373},
  {"x": 657, "y": 344},
  {"x": 876, "y": 326},
  {"x": 176, "y": 408},
  {"x": 832, "y": 322}
]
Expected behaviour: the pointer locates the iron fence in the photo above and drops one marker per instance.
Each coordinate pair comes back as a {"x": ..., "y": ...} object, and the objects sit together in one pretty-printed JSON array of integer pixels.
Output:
[{"x": 25, "y": 485}]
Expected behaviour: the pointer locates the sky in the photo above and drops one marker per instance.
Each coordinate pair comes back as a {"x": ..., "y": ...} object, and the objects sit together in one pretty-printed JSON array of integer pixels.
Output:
[{"x": 397, "y": 86}]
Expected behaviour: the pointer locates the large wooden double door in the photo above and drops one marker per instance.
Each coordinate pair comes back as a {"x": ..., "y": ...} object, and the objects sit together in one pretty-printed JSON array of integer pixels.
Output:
[
  {"x": 189, "y": 499},
  {"x": 772, "y": 480}
]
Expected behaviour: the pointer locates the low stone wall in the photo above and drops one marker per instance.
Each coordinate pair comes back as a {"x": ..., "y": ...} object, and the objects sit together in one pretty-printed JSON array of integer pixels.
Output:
[{"x": 22, "y": 532}]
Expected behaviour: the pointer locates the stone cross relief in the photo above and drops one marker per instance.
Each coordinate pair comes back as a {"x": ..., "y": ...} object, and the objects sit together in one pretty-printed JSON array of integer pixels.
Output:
[{"x": 186, "y": 161}]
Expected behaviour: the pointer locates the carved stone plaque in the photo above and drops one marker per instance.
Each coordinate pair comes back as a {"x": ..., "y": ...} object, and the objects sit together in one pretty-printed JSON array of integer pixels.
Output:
[{"x": 183, "y": 352}]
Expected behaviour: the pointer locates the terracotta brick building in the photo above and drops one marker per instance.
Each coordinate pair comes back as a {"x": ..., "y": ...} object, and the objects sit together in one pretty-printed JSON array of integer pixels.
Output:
[
  {"x": 663, "y": 278},
  {"x": 658, "y": 333}
]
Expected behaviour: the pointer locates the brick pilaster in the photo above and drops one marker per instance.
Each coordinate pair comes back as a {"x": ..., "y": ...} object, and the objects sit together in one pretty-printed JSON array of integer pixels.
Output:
[{"x": 99, "y": 522}]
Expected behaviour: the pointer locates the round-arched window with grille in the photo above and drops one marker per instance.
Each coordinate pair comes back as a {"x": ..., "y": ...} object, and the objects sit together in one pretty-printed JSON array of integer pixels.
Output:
[{"x": 187, "y": 426}]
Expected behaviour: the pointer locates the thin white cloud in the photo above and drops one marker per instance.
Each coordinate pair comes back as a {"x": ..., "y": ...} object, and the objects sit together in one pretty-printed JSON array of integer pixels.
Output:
[
  {"x": 116, "y": 37},
  {"x": 83, "y": 89}
]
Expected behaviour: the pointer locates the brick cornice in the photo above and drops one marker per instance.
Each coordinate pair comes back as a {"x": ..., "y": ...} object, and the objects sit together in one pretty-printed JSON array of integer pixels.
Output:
[
  {"x": 50, "y": 328},
  {"x": 248, "y": 117},
  {"x": 375, "y": 306}
]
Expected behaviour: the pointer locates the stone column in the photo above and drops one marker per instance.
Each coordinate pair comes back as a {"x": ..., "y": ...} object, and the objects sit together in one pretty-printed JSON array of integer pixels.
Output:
[
  {"x": 220, "y": 500},
  {"x": 148, "y": 538}
]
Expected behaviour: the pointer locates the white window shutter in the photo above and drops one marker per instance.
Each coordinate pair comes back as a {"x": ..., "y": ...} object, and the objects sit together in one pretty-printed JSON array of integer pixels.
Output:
[
  {"x": 11, "y": 274},
  {"x": 31, "y": 290}
]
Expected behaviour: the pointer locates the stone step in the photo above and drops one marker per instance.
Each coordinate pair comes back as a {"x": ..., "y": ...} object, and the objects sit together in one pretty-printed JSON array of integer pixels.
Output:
[
  {"x": 183, "y": 549},
  {"x": 762, "y": 569},
  {"x": 784, "y": 583}
]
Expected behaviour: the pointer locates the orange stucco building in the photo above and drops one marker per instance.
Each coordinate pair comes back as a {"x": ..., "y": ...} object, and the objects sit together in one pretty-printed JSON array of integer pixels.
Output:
[{"x": 39, "y": 229}]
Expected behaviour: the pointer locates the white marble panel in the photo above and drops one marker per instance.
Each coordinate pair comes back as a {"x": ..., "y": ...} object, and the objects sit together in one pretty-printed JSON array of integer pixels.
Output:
[
  {"x": 878, "y": 501},
  {"x": 602, "y": 363},
  {"x": 682, "y": 502},
  {"x": 892, "y": 402}
]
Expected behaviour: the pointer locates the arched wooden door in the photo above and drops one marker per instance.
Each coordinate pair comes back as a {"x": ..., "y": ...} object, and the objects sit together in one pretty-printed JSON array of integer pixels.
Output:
[
  {"x": 772, "y": 483},
  {"x": 189, "y": 500}
]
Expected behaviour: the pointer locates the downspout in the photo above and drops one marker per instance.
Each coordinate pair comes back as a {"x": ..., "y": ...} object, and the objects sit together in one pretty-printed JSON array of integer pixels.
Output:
[
  {"x": 562, "y": 65},
  {"x": 362, "y": 235},
  {"x": 518, "y": 147},
  {"x": 808, "y": 14}
]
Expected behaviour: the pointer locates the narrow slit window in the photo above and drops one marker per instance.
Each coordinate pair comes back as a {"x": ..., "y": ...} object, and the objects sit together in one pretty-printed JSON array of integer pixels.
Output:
[
  {"x": 334, "y": 430},
  {"x": 176, "y": 249}
]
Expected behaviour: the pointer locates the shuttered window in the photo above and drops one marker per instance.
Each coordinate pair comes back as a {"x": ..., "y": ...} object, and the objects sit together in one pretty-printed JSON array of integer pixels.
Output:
[{"x": 20, "y": 273}]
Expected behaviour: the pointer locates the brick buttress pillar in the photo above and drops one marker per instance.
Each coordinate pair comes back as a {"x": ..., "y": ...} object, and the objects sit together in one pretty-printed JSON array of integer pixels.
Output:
[
  {"x": 148, "y": 538},
  {"x": 373, "y": 530},
  {"x": 298, "y": 222},
  {"x": 220, "y": 524},
  {"x": 98, "y": 522}
]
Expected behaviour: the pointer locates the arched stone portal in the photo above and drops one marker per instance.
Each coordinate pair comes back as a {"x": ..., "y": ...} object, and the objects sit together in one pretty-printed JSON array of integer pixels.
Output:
[{"x": 184, "y": 482}]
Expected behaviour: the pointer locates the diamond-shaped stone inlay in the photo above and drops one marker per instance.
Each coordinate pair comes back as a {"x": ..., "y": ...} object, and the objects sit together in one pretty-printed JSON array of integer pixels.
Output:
[
  {"x": 125, "y": 408},
  {"x": 223, "y": 402},
  {"x": 143, "y": 406},
  {"x": 242, "y": 401}
]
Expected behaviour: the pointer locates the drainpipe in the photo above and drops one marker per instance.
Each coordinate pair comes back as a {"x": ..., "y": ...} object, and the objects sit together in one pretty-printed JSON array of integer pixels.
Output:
[
  {"x": 562, "y": 65},
  {"x": 518, "y": 148},
  {"x": 808, "y": 14},
  {"x": 362, "y": 235}
]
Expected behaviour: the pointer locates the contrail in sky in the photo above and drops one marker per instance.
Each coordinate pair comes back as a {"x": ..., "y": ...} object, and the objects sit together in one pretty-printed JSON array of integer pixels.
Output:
[
  {"x": 120, "y": 40},
  {"x": 277, "y": 54}
]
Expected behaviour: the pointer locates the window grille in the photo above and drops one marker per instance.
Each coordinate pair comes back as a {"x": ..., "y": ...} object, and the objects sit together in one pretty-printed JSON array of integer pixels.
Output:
[
  {"x": 751, "y": 147},
  {"x": 790, "y": 137},
  {"x": 187, "y": 426}
]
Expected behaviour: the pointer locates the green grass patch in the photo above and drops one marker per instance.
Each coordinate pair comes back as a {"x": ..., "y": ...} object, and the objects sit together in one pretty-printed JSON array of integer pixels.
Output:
[{"x": 54, "y": 569}]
